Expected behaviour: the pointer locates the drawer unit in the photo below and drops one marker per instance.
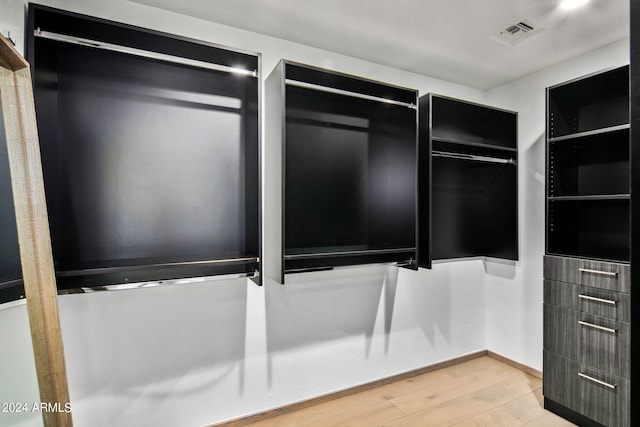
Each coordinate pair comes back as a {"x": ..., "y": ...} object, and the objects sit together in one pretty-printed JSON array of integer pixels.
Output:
[
  {"x": 604, "y": 344},
  {"x": 596, "y": 274},
  {"x": 593, "y": 301},
  {"x": 597, "y": 395},
  {"x": 587, "y": 314}
]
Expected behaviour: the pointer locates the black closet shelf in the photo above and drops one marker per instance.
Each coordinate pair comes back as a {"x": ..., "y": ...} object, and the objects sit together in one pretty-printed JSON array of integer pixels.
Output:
[
  {"x": 108, "y": 277},
  {"x": 591, "y": 197},
  {"x": 473, "y": 144},
  {"x": 117, "y": 268},
  {"x": 338, "y": 253},
  {"x": 602, "y": 131},
  {"x": 588, "y": 257}
]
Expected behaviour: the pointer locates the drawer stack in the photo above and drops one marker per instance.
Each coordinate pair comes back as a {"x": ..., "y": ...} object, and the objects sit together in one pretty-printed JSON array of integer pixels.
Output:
[{"x": 587, "y": 312}]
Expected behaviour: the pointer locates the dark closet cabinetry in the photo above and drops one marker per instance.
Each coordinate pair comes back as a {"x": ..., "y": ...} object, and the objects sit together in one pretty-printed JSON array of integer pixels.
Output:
[
  {"x": 587, "y": 284},
  {"x": 588, "y": 167},
  {"x": 349, "y": 172},
  {"x": 150, "y": 151},
  {"x": 468, "y": 180}
]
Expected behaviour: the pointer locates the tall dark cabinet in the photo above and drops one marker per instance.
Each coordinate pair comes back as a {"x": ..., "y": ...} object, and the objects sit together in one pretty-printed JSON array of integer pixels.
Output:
[
  {"x": 587, "y": 278},
  {"x": 349, "y": 168},
  {"x": 468, "y": 180},
  {"x": 150, "y": 151}
]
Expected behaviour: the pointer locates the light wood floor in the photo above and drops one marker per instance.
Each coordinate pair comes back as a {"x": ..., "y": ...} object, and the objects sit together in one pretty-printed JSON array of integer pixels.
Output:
[{"x": 480, "y": 392}]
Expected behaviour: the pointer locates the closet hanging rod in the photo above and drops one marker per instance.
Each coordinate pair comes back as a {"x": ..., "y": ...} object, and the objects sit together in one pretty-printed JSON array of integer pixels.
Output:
[
  {"x": 213, "y": 262},
  {"x": 405, "y": 263},
  {"x": 347, "y": 253},
  {"x": 473, "y": 157},
  {"x": 156, "y": 283},
  {"x": 306, "y": 85},
  {"x": 142, "y": 53}
]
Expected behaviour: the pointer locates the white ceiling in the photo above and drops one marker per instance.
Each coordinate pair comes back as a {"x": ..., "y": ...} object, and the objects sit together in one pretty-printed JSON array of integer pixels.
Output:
[{"x": 446, "y": 39}]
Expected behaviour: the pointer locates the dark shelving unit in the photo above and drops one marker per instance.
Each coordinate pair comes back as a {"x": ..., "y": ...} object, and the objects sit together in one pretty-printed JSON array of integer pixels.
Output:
[
  {"x": 588, "y": 185},
  {"x": 586, "y": 345},
  {"x": 150, "y": 151},
  {"x": 468, "y": 180},
  {"x": 349, "y": 169}
]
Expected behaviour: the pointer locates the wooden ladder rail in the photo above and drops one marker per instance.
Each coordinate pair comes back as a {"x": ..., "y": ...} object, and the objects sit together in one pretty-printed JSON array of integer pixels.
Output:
[{"x": 21, "y": 134}]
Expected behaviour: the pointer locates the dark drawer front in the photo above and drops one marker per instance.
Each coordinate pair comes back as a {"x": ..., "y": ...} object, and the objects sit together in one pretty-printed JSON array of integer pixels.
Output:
[
  {"x": 596, "y": 274},
  {"x": 593, "y": 301},
  {"x": 560, "y": 380},
  {"x": 604, "y": 397},
  {"x": 604, "y": 344},
  {"x": 604, "y": 303},
  {"x": 601, "y": 397},
  {"x": 561, "y": 331}
]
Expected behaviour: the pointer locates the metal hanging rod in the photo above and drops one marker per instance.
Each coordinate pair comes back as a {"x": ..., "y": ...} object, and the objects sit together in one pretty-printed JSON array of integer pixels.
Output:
[
  {"x": 347, "y": 253},
  {"x": 100, "y": 270},
  {"x": 143, "y": 53},
  {"x": 473, "y": 157},
  {"x": 156, "y": 283},
  {"x": 306, "y": 85},
  {"x": 405, "y": 263}
]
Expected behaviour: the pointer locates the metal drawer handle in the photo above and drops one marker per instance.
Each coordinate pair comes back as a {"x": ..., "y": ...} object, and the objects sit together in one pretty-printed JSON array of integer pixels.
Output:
[
  {"x": 591, "y": 325},
  {"x": 590, "y": 298},
  {"x": 587, "y": 377},
  {"x": 604, "y": 273}
]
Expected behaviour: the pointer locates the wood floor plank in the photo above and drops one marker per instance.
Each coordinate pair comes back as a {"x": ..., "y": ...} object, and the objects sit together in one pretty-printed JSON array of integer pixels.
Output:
[
  {"x": 549, "y": 420},
  {"x": 439, "y": 393},
  {"x": 513, "y": 413},
  {"x": 351, "y": 410},
  {"x": 480, "y": 392},
  {"x": 468, "y": 405}
]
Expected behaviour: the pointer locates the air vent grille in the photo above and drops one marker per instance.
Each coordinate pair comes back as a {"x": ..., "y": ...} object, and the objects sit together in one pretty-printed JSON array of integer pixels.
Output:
[{"x": 516, "y": 33}]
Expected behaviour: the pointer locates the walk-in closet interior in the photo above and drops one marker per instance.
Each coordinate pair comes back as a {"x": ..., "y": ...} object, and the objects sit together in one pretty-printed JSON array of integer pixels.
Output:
[{"x": 216, "y": 212}]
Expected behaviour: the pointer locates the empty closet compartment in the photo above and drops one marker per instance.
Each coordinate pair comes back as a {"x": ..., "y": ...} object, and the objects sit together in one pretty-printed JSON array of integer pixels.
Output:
[
  {"x": 471, "y": 124},
  {"x": 591, "y": 228},
  {"x": 474, "y": 205},
  {"x": 468, "y": 177},
  {"x": 590, "y": 165},
  {"x": 350, "y": 170},
  {"x": 589, "y": 103},
  {"x": 150, "y": 151}
]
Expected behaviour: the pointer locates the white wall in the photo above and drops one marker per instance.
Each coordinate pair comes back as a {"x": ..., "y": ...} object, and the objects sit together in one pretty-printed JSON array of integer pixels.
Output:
[
  {"x": 514, "y": 306},
  {"x": 18, "y": 382},
  {"x": 198, "y": 353}
]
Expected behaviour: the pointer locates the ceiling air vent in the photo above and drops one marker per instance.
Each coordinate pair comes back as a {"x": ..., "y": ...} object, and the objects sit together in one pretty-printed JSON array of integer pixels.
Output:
[{"x": 516, "y": 33}]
